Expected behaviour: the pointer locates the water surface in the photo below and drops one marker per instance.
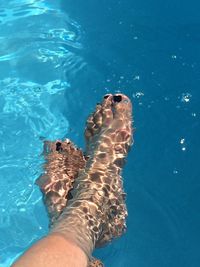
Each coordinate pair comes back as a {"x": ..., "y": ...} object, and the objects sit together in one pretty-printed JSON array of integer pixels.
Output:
[{"x": 57, "y": 60}]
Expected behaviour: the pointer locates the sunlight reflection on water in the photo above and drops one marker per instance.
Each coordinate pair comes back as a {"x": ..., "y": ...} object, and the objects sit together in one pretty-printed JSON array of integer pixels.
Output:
[{"x": 36, "y": 40}]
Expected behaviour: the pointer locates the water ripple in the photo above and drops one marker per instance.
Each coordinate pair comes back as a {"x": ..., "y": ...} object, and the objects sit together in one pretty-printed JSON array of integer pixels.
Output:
[
  {"x": 39, "y": 50},
  {"x": 20, "y": 9}
]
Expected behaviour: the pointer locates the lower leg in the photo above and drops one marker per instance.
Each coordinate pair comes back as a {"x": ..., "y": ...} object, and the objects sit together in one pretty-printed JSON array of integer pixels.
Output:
[
  {"x": 51, "y": 251},
  {"x": 97, "y": 211}
]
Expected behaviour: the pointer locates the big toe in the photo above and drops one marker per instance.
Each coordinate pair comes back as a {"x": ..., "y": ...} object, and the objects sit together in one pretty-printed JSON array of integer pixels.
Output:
[{"x": 122, "y": 107}]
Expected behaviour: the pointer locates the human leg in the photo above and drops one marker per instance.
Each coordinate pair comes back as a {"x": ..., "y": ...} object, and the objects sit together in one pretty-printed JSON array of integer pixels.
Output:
[{"x": 97, "y": 211}]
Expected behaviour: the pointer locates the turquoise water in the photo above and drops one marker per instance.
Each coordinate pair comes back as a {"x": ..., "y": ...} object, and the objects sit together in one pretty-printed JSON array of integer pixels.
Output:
[{"x": 56, "y": 62}]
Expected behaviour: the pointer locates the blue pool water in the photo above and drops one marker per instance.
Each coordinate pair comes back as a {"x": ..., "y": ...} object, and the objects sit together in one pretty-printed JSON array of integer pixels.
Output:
[{"x": 56, "y": 62}]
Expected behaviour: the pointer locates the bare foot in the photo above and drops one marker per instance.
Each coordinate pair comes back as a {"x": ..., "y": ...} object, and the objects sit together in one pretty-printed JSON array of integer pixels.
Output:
[
  {"x": 108, "y": 139},
  {"x": 63, "y": 162},
  {"x": 97, "y": 211}
]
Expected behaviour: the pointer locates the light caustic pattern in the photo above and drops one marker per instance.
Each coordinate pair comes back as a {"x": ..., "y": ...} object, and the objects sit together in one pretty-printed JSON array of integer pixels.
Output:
[{"x": 38, "y": 42}]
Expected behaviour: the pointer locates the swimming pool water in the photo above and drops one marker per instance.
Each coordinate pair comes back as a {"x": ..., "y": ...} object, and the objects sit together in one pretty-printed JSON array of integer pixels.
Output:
[{"x": 56, "y": 62}]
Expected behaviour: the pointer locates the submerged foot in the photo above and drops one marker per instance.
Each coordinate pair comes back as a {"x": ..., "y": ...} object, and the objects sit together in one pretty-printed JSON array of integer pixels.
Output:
[
  {"x": 108, "y": 139},
  {"x": 63, "y": 161},
  {"x": 97, "y": 211}
]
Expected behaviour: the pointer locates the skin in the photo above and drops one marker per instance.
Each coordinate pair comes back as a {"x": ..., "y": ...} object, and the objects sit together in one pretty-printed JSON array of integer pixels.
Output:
[
  {"x": 79, "y": 228},
  {"x": 53, "y": 250}
]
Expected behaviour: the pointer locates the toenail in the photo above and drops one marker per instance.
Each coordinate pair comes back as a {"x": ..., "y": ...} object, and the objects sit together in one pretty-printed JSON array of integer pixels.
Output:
[
  {"x": 117, "y": 98},
  {"x": 58, "y": 146},
  {"x": 106, "y": 96}
]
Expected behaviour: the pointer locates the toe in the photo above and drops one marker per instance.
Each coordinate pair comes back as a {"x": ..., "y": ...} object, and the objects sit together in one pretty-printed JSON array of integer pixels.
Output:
[
  {"x": 122, "y": 107},
  {"x": 94, "y": 122},
  {"x": 107, "y": 113}
]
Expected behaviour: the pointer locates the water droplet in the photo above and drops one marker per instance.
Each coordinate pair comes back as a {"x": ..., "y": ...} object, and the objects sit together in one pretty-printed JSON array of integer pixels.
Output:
[
  {"x": 186, "y": 97},
  {"x": 136, "y": 77},
  {"x": 182, "y": 141},
  {"x": 183, "y": 146},
  {"x": 138, "y": 94}
]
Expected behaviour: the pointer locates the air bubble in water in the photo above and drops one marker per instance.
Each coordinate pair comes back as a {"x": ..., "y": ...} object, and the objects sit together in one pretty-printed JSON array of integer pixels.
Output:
[{"x": 186, "y": 97}]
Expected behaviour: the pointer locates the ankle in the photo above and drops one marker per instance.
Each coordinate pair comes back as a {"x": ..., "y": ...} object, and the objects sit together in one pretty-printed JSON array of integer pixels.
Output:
[{"x": 79, "y": 224}]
